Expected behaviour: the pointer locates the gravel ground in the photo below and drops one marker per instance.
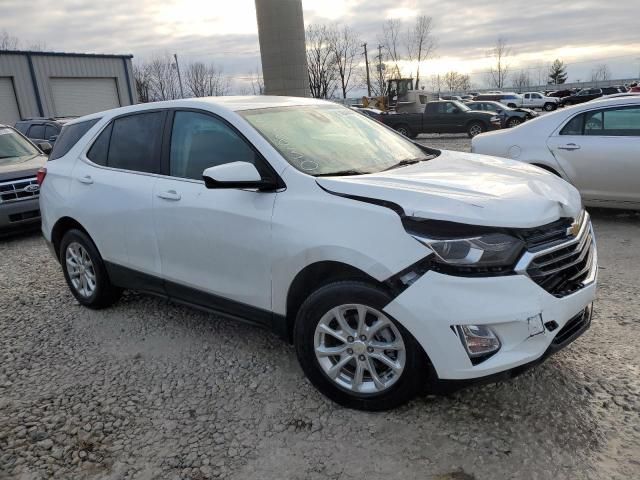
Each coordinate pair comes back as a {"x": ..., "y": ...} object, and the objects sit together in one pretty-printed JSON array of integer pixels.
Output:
[{"x": 149, "y": 389}]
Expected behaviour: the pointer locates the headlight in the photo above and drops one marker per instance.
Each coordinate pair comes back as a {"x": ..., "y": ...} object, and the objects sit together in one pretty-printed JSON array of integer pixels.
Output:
[{"x": 490, "y": 250}]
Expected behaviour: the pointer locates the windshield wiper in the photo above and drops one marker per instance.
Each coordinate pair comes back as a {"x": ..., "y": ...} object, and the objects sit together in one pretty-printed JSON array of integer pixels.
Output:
[
  {"x": 341, "y": 173},
  {"x": 404, "y": 163}
]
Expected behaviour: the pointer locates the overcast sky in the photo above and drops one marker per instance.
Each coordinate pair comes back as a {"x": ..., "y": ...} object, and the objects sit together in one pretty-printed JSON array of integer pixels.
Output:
[{"x": 582, "y": 33}]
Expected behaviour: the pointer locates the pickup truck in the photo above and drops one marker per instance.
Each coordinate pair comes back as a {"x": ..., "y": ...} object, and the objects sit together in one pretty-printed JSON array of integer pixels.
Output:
[
  {"x": 538, "y": 100},
  {"x": 442, "y": 117}
]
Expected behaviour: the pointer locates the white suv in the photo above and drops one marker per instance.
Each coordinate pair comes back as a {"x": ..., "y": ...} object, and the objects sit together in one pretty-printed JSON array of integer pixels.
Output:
[{"x": 389, "y": 265}]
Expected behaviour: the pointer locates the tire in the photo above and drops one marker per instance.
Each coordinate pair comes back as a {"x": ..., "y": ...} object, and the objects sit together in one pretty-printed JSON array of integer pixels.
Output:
[
  {"x": 549, "y": 107},
  {"x": 403, "y": 129},
  {"x": 76, "y": 248},
  {"x": 475, "y": 128},
  {"x": 511, "y": 105},
  {"x": 385, "y": 390},
  {"x": 513, "y": 122}
]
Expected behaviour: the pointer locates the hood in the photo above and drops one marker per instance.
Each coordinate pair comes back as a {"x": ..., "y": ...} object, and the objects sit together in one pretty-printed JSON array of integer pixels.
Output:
[
  {"x": 22, "y": 167},
  {"x": 468, "y": 188}
]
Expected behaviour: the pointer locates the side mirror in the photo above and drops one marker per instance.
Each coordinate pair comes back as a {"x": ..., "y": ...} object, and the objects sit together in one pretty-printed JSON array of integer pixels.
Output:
[
  {"x": 45, "y": 147},
  {"x": 236, "y": 175}
]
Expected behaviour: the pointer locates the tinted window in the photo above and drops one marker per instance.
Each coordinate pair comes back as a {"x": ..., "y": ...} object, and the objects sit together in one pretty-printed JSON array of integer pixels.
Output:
[
  {"x": 135, "y": 142},
  {"x": 50, "y": 131},
  {"x": 69, "y": 136},
  {"x": 574, "y": 127},
  {"x": 200, "y": 141},
  {"x": 620, "y": 122},
  {"x": 36, "y": 131},
  {"x": 100, "y": 149}
]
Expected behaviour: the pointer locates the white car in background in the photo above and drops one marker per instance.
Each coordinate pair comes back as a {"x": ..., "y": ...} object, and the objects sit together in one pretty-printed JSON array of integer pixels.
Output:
[
  {"x": 595, "y": 146},
  {"x": 388, "y": 264}
]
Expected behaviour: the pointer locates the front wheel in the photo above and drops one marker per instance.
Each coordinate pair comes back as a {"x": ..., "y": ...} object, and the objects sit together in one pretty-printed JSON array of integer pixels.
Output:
[
  {"x": 404, "y": 130},
  {"x": 475, "y": 128},
  {"x": 353, "y": 352},
  {"x": 85, "y": 272},
  {"x": 513, "y": 122},
  {"x": 548, "y": 107}
]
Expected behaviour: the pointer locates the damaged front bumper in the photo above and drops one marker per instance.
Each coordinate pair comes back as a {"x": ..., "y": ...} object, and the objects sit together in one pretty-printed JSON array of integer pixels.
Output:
[{"x": 436, "y": 303}]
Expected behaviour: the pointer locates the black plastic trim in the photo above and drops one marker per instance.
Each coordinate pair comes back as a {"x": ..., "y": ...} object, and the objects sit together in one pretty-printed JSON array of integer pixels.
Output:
[
  {"x": 125, "y": 277},
  {"x": 374, "y": 201}
]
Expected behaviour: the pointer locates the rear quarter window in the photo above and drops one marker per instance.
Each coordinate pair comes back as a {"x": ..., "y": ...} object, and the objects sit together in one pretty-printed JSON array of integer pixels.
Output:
[{"x": 69, "y": 136}]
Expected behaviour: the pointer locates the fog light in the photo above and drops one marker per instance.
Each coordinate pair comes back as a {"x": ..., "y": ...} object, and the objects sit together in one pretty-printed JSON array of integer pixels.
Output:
[{"x": 478, "y": 340}]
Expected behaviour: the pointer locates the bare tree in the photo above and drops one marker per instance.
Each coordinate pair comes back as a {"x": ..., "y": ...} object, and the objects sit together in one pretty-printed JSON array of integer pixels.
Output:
[
  {"x": 391, "y": 43},
  {"x": 437, "y": 82},
  {"x": 257, "y": 82},
  {"x": 142, "y": 79},
  {"x": 320, "y": 61},
  {"x": 420, "y": 43},
  {"x": 600, "y": 73},
  {"x": 346, "y": 49},
  {"x": 8, "y": 42},
  {"x": 497, "y": 75},
  {"x": 206, "y": 80},
  {"x": 454, "y": 81},
  {"x": 521, "y": 80},
  {"x": 163, "y": 78}
]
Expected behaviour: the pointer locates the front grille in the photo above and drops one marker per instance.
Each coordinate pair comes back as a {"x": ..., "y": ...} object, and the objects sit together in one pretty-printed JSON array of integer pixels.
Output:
[
  {"x": 17, "y": 190},
  {"x": 573, "y": 328},
  {"x": 562, "y": 266},
  {"x": 19, "y": 217}
]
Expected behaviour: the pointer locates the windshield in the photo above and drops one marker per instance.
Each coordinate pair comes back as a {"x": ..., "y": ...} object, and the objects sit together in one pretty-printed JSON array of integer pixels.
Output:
[
  {"x": 331, "y": 139},
  {"x": 13, "y": 146}
]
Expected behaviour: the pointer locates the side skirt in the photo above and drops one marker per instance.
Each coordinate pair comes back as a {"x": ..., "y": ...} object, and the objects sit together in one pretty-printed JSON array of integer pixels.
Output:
[{"x": 133, "y": 280}]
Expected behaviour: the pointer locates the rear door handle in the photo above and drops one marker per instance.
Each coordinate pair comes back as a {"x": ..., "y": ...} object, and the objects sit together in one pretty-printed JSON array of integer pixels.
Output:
[
  {"x": 169, "y": 195},
  {"x": 569, "y": 146},
  {"x": 87, "y": 180}
]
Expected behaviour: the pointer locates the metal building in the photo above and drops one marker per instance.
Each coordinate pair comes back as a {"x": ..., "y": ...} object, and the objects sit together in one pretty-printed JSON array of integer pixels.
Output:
[
  {"x": 282, "y": 47},
  {"x": 50, "y": 84}
]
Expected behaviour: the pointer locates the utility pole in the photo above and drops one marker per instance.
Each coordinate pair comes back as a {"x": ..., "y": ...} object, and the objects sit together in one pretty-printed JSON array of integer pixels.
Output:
[
  {"x": 366, "y": 61},
  {"x": 175, "y": 55},
  {"x": 380, "y": 67}
]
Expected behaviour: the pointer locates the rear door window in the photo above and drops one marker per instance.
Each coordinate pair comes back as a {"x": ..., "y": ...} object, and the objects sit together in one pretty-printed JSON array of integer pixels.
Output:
[
  {"x": 135, "y": 142},
  {"x": 69, "y": 136},
  {"x": 36, "y": 131}
]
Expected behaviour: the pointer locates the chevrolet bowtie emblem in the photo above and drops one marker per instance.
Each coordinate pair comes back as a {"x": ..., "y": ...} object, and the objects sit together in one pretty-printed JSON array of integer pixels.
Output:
[{"x": 574, "y": 229}]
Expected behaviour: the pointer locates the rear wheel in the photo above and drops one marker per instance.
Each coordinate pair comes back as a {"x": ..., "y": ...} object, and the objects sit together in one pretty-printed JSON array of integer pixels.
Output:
[
  {"x": 511, "y": 105},
  {"x": 404, "y": 130},
  {"x": 513, "y": 122},
  {"x": 353, "y": 352},
  {"x": 85, "y": 272},
  {"x": 548, "y": 107},
  {"x": 475, "y": 128}
]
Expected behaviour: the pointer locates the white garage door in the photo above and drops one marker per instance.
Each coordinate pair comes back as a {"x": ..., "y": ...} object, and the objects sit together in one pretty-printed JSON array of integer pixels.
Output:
[
  {"x": 73, "y": 97},
  {"x": 9, "y": 113}
]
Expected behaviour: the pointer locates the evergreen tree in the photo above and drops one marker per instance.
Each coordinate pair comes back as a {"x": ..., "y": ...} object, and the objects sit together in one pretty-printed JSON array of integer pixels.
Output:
[{"x": 557, "y": 72}]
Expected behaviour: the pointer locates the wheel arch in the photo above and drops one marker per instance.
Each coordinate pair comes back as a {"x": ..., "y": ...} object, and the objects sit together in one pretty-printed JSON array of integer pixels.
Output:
[
  {"x": 317, "y": 275},
  {"x": 62, "y": 226},
  {"x": 548, "y": 168}
]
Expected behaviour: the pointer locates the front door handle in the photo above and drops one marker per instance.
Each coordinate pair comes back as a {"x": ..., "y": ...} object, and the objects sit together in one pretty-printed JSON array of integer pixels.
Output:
[
  {"x": 169, "y": 195},
  {"x": 87, "y": 180},
  {"x": 569, "y": 146}
]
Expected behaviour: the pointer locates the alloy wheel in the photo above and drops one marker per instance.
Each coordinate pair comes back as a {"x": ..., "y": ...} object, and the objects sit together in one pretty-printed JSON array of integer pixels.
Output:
[
  {"x": 359, "y": 348},
  {"x": 80, "y": 269},
  {"x": 475, "y": 130}
]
